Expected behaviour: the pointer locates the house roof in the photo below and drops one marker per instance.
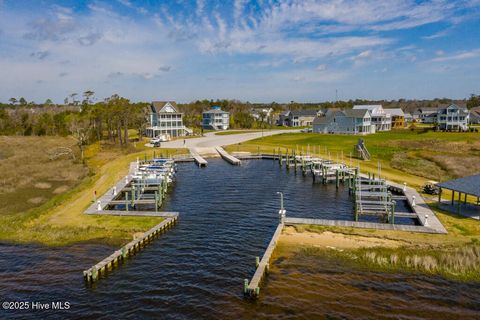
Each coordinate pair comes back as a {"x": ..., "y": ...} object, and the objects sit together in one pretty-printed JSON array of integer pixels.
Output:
[
  {"x": 469, "y": 185},
  {"x": 321, "y": 120},
  {"x": 304, "y": 113},
  {"x": 331, "y": 111},
  {"x": 164, "y": 106},
  {"x": 454, "y": 106},
  {"x": 375, "y": 109},
  {"x": 356, "y": 113},
  {"x": 215, "y": 111},
  {"x": 395, "y": 112}
]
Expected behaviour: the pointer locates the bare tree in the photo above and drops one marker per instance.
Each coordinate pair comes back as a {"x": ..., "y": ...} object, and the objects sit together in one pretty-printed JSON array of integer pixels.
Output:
[{"x": 80, "y": 130}]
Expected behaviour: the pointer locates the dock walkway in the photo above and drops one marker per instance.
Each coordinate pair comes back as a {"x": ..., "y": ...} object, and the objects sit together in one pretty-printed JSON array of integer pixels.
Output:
[
  {"x": 252, "y": 289},
  {"x": 228, "y": 157},
  {"x": 201, "y": 162},
  {"x": 130, "y": 248},
  {"x": 108, "y": 196},
  {"x": 356, "y": 224}
]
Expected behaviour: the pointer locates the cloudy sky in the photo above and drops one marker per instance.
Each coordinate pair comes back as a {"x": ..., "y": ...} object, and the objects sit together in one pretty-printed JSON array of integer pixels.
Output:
[{"x": 249, "y": 50}]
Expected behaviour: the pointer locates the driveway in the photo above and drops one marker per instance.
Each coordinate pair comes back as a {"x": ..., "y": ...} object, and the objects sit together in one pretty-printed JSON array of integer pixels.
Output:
[{"x": 206, "y": 144}]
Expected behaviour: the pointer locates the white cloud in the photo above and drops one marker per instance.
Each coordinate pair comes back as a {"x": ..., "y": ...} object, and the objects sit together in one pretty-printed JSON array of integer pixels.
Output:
[{"x": 458, "y": 56}]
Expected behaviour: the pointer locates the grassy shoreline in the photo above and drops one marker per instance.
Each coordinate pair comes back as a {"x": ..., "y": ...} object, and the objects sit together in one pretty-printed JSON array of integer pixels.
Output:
[
  {"x": 455, "y": 255},
  {"x": 60, "y": 221}
]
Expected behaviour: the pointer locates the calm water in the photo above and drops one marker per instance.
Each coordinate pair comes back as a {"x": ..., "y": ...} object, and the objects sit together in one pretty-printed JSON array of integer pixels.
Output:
[{"x": 196, "y": 269}]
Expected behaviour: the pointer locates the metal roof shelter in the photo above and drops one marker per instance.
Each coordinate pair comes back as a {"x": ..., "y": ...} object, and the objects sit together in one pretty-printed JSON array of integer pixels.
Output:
[{"x": 468, "y": 186}]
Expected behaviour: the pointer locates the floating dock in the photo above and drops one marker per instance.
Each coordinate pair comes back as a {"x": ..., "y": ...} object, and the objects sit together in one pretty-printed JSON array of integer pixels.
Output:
[
  {"x": 92, "y": 274},
  {"x": 201, "y": 162},
  {"x": 228, "y": 157},
  {"x": 252, "y": 288}
]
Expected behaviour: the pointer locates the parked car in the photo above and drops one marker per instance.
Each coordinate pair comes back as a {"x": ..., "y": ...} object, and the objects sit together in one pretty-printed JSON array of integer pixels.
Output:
[{"x": 306, "y": 130}]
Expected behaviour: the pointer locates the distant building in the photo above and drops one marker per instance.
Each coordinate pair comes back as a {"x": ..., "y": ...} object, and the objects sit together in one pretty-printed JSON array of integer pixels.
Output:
[
  {"x": 474, "y": 117},
  {"x": 344, "y": 122},
  {"x": 452, "y": 118},
  {"x": 424, "y": 114},
  {"x": 397, "y": 117},
  {"x": 380, "y": 118},
  {"x": 262, "y": 114},
  {"x": 408, "y": 118},
  {"x": 216, "y": 119},
  {"x": 164, "y": 119},
  {"x": 298, "y": 118}
]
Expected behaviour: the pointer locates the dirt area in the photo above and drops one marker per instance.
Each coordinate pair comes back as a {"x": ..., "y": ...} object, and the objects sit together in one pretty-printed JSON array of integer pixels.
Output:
[{"x": 328, "y": 239}]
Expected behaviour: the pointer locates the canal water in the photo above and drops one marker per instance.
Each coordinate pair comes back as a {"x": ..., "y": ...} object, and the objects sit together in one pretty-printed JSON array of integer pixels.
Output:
[{"x": 196, "y": 270}]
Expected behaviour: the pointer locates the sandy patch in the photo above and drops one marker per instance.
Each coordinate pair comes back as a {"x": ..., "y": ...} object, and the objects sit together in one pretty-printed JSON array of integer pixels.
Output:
[
  {"x": 42, "y": 185},
  {"x": 334, "y": 240},
  {"x": 36, "y": 200},
  {"x": 61, "y": 189}
]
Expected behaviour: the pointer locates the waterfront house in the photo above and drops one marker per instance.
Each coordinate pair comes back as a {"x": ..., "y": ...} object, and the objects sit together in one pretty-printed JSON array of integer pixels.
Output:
[
  {"x": 344, "y": 122},
  {"x": 452, "y": 118},
  {"x": 216, "y": 119},
  {"x": 397, "y": 118},
  {"x": 298, "y": 118},
  {"x": 380, "y": 118},
  {"x": 164, "y": 119}
]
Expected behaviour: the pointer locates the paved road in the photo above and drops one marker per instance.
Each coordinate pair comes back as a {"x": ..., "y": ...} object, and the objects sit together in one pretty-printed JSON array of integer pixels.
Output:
[{"x": 207, "y": 144}]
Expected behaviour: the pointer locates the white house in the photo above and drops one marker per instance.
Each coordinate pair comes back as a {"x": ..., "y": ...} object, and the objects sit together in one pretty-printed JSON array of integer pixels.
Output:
[
  {"x": 380, "y": 118},
  {"x": 164, "y": 119},
  {"x": 216, "y": 119},
  {"x": 345, "y": 122},
  {"x": 452, "y": 118}
]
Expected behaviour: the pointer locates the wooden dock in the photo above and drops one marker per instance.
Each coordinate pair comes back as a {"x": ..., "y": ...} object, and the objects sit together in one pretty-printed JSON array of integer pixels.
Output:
[
  {"x": 252, "y": 289},
  {"x": 92, "y": 274},
  {"x": 228, "y": 157},
  {"x": 201, "y": 162},
  {"x": 356, "y": 224}
]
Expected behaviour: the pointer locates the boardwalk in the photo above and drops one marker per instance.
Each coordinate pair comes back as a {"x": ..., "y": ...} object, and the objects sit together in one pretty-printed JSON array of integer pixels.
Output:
[
  {"x": 356, "y": 224},
  {"x": 228, "y": 157},
  {"x": 252, "y": 289},
  {"x": 129, "y": 249},
  {"x": 108, "y": 196}
]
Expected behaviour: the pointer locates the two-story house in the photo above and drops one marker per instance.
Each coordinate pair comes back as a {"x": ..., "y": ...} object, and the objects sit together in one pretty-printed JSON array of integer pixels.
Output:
[
  {"x": 216, "y": 119},
  {"x": 381, "y": 119},
  {"x": 345, "y": 122},
  {"x": 397, "y": 117},
  {"x": 298, "y": 118},
  {"x": 164, "y": 119},
  {"x": 452, "y": 118}
]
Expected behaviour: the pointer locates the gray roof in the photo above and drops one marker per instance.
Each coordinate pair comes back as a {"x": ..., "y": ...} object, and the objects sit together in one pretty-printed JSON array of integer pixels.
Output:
[
  {"x": 215, "y": 111},
  {"x": 356, "y": 113},
  {"x": 157, "y": 106},
  {"x": 304, "y": 112},
  {"x": 395, "y": 112},
  {"x": 469, "y": 185},
  {"x": 444, "y": 109},
  {"x": 321, "y": 120}
]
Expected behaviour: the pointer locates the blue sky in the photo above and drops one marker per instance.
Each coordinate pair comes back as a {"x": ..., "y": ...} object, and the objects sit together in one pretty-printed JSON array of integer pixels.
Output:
[{"x": 259, "y": 51}]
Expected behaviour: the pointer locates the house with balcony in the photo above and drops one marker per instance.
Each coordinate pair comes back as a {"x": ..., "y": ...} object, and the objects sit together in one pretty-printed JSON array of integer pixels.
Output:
[
  {"x": 397, "y": 118},
  {"x": 298, "y": 118},
  {"x": 452, "y": 118},
  {"x": 164, "y": 119},
  {"x": 381, "y": 119},
  {"x": 425, "y": 114},
  {"x": 344, "y": 122},
  {"x": 216, "y": 119}
]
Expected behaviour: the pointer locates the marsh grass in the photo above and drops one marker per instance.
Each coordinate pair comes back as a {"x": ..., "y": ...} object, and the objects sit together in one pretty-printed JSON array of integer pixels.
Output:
[{"x": 58, "y": 219}]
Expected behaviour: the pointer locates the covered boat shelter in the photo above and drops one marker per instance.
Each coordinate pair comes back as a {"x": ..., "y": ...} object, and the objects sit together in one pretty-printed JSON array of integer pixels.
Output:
[{"x": 464, "y": 190}]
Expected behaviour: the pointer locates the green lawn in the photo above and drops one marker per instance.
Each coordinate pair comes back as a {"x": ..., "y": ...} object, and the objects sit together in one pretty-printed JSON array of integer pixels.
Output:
[{"x": 404, "y": 155}]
